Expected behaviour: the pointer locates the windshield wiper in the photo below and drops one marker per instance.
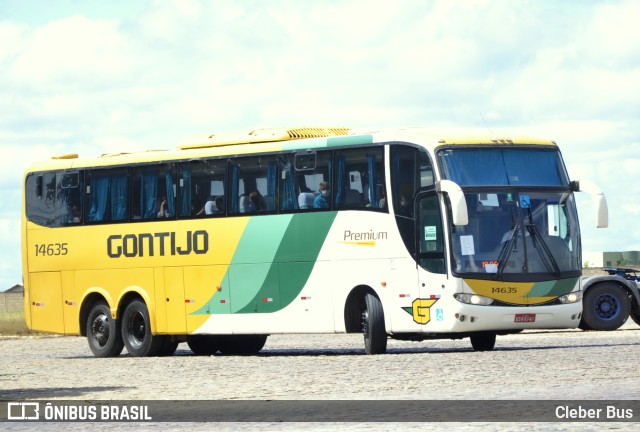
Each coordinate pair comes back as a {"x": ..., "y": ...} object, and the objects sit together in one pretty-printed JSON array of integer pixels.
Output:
[
  {"x": 546, "y": 255},
  {"x": 505, "y": 253}
]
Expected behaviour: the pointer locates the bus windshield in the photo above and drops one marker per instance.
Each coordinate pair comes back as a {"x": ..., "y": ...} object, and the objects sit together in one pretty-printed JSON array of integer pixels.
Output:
[
  {"x": 522, "y": 215},
  {"x": 518, "y": 233}
]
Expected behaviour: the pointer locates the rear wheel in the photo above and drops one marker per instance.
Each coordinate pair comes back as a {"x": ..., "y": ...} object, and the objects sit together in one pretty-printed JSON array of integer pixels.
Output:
[
  {"x": 483, "y": 341},
  {"x": 203, "y": 344},
  {"x": 168, "y": 347},
  {"x": 136, "y": 331},
  {"x": 242, "y": 344},
  {"x": 103, "y": 334},
  {"x": 373, "y": 329},
  {"x": 605, "y": 306}
]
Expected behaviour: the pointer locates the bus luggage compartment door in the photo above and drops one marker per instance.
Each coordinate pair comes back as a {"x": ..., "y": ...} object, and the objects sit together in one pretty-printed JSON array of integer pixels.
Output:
[{"x": 45, "y": 294}]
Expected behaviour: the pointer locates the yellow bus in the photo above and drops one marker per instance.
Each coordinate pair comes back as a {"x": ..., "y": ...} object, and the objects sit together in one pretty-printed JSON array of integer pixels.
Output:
[{"x": 407, "y": 234}]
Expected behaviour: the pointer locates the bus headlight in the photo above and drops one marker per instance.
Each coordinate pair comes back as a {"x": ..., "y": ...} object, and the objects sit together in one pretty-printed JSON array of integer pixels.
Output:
[
  {"x": 572, "y": 297},
  {"x": 473, "y": 299}
]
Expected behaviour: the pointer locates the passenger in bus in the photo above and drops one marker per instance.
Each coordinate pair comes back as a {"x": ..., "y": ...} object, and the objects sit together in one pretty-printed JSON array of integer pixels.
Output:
[
  {"x": 74, "y": 215},
  {"x": 383, "y": 200},
  {"x": 164, "y": 208},
  {"x": 212, "y": 206},
  {"x": 322, "y": 200},
  {"x": 250, "y": 205},
  {"x": 306, "y": 198},
  {"x": 219, "y": 203}
]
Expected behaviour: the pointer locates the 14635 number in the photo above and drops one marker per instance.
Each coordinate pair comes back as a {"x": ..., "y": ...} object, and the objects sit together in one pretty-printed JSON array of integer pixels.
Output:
[{"x": 51, "y": 249}]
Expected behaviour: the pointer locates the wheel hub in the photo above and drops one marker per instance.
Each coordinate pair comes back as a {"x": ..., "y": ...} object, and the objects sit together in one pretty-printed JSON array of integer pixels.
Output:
[
  {"x": 137, "y": 329},
  {"x": 606, "y": 307},
  {"x": 100, "y": 329},
  {"x": 365, "y": 322}
]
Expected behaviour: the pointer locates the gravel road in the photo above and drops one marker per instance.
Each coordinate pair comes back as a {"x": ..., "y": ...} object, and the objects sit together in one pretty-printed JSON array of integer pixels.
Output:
[{"x": 568, "y": 364}]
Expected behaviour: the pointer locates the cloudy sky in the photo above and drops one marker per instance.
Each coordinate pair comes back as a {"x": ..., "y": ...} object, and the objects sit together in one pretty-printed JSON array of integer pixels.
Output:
[{"x": 91, "y": 77}]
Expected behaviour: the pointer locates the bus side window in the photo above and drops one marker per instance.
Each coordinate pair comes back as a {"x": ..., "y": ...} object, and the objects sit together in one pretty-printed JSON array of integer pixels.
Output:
[
  {"x": 254, "y": 185},
  {"x": 411, "y": 169},
  {"x": 107, "y": 195},
  {"x": 430, "y": 234},
  {"x": 70, "y": 193},
  {"x": 53, "y": 199},
  {"x": 202, "y": 188},
  {"x": 359, "y": 179},
  {"x": 153, "y": 192},
  {"x": 301, "y": 175}
]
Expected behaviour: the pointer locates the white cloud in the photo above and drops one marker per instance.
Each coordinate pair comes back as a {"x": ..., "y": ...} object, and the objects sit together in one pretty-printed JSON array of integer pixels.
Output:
[{"x": 93, "y": 83}]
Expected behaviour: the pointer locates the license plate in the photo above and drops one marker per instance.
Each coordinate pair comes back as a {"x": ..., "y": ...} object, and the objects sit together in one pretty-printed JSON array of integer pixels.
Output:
[{"x": 523, "y": 318}]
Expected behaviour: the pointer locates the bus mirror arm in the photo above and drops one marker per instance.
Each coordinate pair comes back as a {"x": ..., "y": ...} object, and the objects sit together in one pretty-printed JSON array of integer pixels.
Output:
[
  {"x": 458, "y": 202},
  {"x": 599, "y": 200}
]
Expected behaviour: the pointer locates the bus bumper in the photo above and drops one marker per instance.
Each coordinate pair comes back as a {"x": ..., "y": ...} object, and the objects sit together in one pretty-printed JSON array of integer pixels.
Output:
[{"x": 470, "y": 318}]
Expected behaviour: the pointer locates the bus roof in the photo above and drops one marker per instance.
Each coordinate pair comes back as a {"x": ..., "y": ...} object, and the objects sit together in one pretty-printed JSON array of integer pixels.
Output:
[{"x": 290, "y": 139}]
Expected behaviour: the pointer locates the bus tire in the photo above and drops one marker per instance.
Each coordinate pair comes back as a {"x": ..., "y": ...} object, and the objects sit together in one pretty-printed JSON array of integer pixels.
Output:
[
  {"x": 203, "y": 344},
  {"x": 373, "y": 329},
  {"x": 605, "y": 306},
  {"x": 168, "y": 347},
  {"x": 483, "y": 341},
  {"x": 103, "y": 334},
  {"x": 136, "y": 331},
  {"x": 635, "y": 313},
  {"x": 242, "y": 344}
]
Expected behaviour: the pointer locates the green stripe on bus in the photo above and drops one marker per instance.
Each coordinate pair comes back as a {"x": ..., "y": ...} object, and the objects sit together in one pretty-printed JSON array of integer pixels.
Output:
[
  {"x": 251, "y": 262},
  {"x": 349, "y": 140},
  {"x": 272, "y": 262},
  {"x": 295, "y": 259},
  {"x": 553, "y": 288}
]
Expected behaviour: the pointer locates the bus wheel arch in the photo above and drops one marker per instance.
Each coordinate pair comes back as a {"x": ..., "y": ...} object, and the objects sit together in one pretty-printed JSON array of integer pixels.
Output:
[
  {"x": 363, "y": 313},
  {"x": 87, "y": 305}
]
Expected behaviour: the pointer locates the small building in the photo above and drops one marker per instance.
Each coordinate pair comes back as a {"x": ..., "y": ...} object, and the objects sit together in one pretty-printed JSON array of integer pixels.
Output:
[
  {"x": 16, "y": 289},
  {"x": 12, "y": 300},
  {"x": 621, "y": 259}
]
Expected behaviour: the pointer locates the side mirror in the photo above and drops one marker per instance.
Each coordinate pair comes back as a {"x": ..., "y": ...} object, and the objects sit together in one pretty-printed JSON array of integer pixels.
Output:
[
  {"x": 458, "y": 203},
  {"x": 600, "y": 202}
]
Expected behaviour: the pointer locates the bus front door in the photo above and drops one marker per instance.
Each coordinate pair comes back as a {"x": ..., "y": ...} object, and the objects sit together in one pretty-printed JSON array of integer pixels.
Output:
[{"x": 431, "y": 260}]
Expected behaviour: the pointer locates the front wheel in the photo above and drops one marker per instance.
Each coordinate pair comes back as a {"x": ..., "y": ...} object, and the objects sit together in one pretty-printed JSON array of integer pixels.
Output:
[
  {"x": 102, "y": 332},
  {"x": 136, "y": 331},
  {"x": 373, "y": 329},
  {"x": 483, "y": 341},
  {"x": 605, "y": 306}
]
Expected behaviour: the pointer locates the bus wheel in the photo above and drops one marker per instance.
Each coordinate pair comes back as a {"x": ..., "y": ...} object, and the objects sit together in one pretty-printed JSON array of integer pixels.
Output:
[
  {"x": 136, "y": 331},
  {"x": 483, "y": 341},
  {"x": 605, "y": 306},
  {"x": 202, "y": 344},
  {"x": 375, "y": 334},
  {"x": 242, "y": 345},
  {"x": 635, "y": 313},
  {"x": 168, "y": 347},
  {"x": 102, "y": 332}
]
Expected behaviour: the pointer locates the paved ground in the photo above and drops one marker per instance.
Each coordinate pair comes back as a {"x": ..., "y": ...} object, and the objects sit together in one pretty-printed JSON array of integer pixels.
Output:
[{"x": 557, "y": 365}]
